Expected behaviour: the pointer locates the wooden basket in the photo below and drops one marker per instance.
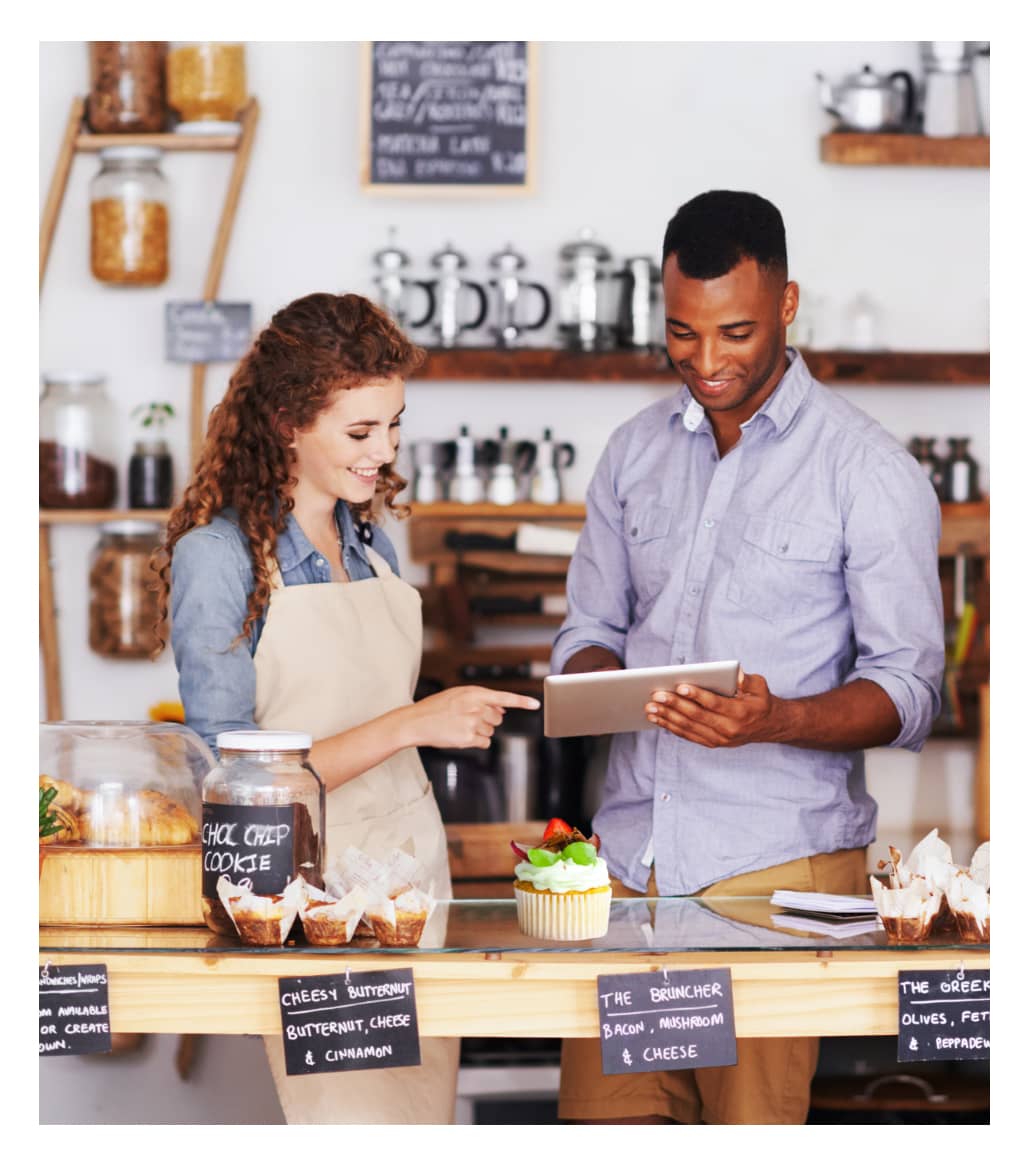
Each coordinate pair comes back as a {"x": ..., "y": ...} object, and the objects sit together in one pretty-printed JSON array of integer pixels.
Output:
[{"x": 119, "y": 886}]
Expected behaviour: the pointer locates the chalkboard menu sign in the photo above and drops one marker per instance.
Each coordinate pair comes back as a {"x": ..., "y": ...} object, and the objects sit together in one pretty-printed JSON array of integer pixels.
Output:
[
  {"x": 206, "y": 332},
  {"x": 253, "y": 846},
  {"x": 944, "y": 1016},
  {"x": 446, "y": 114},
  {"x": 342, "y": 1022},
  {"x": 74, "y": 1014},
  {"x": 674, "y": 1020}
]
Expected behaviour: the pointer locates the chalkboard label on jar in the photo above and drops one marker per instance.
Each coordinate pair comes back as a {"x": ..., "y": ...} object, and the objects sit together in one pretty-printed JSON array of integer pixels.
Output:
[
  {"x": 253, "y": 846},
  {"x": 342, "y": 1022},
  {"x": 74, "y": 1010},
  {"x": 206, "y": 332},
  {"x": 448, "y": 113}
]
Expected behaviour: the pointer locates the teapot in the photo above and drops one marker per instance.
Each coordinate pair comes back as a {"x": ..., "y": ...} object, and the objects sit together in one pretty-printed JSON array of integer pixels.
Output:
[{"x": 867, "y": 102}]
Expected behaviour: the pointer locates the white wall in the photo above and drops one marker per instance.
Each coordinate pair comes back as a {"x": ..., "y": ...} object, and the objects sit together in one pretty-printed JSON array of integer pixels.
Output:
[{"x": 626, "y": 133}]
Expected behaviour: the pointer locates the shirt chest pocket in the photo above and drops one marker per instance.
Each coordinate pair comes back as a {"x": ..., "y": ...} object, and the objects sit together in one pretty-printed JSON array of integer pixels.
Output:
[
  {"x": 646, "y": 535},
  {"x": 784, "y": 569}
]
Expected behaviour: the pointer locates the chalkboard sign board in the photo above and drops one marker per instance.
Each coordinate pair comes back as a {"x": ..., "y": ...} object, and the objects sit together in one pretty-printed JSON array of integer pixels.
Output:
[
  {"x": 206, "y": 332},
  {"x": 253, "y": 846},
  {"x": 445, "y": 115},
  {"x": 74, "y": 1013},
  {"x": 675, "y": 1020},
  {"x": 944, "y": 1016},
  {"x": 342, "y": 1022}
]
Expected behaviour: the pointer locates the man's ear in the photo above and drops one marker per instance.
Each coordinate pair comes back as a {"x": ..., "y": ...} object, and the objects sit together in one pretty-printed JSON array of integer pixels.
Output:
[{"x": 790, "y": 303}]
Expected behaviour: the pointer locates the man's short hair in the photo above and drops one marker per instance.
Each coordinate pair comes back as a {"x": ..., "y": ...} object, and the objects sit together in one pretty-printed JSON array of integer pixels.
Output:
[{"x": 714, "y": 232}]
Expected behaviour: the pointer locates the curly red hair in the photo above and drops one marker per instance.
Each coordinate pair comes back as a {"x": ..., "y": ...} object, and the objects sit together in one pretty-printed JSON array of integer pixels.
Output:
[{"x": 311, "y": 349}]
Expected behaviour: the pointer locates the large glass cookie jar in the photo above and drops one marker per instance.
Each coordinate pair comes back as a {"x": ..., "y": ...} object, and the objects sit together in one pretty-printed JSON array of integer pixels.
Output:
[
  {"x": 263, "y": 817},
  {"x": 127, "y": 802}
]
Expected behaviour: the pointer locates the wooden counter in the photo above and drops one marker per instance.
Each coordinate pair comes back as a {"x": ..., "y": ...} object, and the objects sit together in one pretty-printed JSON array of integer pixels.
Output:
[{"x": 514, "y": 993}]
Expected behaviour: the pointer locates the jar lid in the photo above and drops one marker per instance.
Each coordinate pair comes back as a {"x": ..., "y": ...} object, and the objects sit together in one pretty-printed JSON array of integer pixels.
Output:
[
  {"x": 586, "y": 245},
  {"x": 131, "y": 528},
  {"x": 74, "y": 378},
  {"x": 257, "y": 740},
  {"x": 130, "y": 153}
]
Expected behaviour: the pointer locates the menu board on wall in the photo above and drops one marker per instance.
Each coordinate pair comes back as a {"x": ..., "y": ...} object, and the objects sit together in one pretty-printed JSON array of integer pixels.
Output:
[{"x": 444, "y": 115}]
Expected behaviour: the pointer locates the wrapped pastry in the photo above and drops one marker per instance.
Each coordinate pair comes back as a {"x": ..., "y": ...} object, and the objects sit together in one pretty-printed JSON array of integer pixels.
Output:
[
  {"x": 68, "y": 796},
  {"x": 907, "y": 912},
  {"x": 328, "y": 921},
  {"x": 262, "y": 920},
  {"x": 144, "y": 819},
  {"x": 68, "y": 830},
  {"x": 398, "y": 922},
  {"x": 968, "y": 895}
]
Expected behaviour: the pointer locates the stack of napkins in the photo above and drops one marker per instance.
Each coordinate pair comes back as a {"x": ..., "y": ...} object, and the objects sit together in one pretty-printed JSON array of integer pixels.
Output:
[{"x": 829, "y": 915}]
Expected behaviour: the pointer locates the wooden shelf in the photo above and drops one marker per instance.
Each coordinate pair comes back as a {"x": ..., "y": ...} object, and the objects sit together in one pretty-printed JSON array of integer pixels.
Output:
[
  {"x": 87, "y": 142},
  {"x": 97, "y": 516},
  {"x": 905, "y": 149},
  {"x": 550, "y": 364}
]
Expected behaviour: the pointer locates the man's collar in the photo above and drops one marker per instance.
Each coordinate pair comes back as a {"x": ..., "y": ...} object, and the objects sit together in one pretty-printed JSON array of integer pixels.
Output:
[{"x": 780, "y": 407}]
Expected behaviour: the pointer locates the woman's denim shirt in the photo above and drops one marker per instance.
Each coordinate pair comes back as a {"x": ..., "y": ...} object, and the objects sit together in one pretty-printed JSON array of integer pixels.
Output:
[{"x": 211, "y": 582}]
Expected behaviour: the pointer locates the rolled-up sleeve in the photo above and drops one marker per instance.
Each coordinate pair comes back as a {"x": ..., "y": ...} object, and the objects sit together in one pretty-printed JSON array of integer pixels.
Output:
[
  {"x": 209, "y": 591},
  {"x": 892, "y": 535},
  {"x": 599, "y": 584}
]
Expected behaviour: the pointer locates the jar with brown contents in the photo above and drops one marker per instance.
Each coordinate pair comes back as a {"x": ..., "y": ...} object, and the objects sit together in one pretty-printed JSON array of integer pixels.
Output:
[
  {"x": 127, "y": 86},
  {"x": 77, "y": 423},
  {"x": 123, "y": 607},
  {"x": 206, "y": 83},
  {"x": 129, "y": 218}
]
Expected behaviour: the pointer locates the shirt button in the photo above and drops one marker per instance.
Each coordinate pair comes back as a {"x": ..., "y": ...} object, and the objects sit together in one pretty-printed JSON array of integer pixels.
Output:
[
  {"x": 709, "y": 523},
  {"x": 694, "y": 590},
  {"x": 633, "y": 532},
  {"x": 783, "y": 548},
  {"x": 320, "y": 561},
  {"x": 665, "y": 796}
]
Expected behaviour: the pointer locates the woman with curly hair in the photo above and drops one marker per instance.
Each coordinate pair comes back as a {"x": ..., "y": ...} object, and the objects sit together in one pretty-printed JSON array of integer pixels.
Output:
[{"x": 287, "y": 614}]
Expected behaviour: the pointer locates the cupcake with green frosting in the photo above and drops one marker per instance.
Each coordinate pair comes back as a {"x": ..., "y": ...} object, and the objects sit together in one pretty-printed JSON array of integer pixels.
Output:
[{"x": 562, "y": 887}]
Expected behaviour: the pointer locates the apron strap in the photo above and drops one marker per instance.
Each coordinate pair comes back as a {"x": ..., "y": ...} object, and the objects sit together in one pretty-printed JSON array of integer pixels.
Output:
[{"x": 378, "y": 563}]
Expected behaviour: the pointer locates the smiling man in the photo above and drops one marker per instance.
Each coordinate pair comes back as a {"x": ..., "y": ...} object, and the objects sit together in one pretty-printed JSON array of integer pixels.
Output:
[{"x": 754, "y": 515}]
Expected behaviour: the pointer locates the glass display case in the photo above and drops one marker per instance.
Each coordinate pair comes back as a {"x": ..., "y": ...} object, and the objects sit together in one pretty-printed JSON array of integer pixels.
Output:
[{"x": 128, "y": 803}]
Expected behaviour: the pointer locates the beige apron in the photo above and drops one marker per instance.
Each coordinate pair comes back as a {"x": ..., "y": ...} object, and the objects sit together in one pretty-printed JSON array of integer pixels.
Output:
[{"x": 331, "y": 657}]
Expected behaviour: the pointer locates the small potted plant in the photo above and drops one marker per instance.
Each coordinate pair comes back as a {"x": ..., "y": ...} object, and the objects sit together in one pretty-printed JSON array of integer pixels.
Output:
[{"x": 150, "y": 468}]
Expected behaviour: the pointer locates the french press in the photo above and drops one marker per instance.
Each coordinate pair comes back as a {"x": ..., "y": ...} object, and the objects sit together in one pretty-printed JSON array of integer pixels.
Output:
[
  {"x": 448, "y": 287},
  {"x": 394, "y": 288},
  {"x": 508, "y": 291},
  {"x": 585, "y": 294}
]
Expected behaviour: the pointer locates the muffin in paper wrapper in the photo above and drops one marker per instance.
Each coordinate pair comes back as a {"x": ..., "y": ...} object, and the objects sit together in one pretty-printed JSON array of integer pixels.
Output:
[
  {"x": 398, "y": 922},
  {"x": 547, "y": 915},
  {"x": 907, "y": 913},
  {"x": 968, "y": 895},
  {"x": 261, "y": 920},
  {"x": 330, "y": 922}
]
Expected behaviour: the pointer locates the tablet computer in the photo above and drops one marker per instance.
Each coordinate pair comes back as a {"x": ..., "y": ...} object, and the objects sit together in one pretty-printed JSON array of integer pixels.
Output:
[{"x": 613, "y": 701}]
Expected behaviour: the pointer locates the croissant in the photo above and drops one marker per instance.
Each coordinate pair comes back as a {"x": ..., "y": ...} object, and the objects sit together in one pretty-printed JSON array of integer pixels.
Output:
[
  {"x": 148, "y": 819},
  {"x": 68, "y": 797},
  {"x": 69, "y": 826}
]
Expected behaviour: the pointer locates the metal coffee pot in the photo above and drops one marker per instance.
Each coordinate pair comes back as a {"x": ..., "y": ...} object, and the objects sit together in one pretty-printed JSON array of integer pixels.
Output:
[
  {"x": 870, "y": 103},
  {"x": 394, "y": 288},
  {"x": 449, "y": 287},
  {"x": 585, "y": 306},
  {"x": 511, "y": 462},
  {"x": 634, "y": 324},
  {"x": 508, "y": 294},
  {"x": 551, "y": 458},
  {"x": 432, "y": 463}
]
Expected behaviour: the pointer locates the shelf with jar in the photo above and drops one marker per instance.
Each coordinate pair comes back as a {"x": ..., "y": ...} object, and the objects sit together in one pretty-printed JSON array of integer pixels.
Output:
[{"x": 144, "y": 101}]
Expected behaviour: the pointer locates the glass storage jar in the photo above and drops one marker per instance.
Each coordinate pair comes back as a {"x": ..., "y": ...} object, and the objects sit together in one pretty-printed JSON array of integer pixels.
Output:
[
  {"x": 76, "y": 431},
  {"x": 126, "y": 86},
  {"x": 207, "y": 86},
  {"x": 150, "y": 475},
  {"x": 129, "y": 217},
  {"x": 123, "y": 603},
  {"x": 263, "y": 817}
]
